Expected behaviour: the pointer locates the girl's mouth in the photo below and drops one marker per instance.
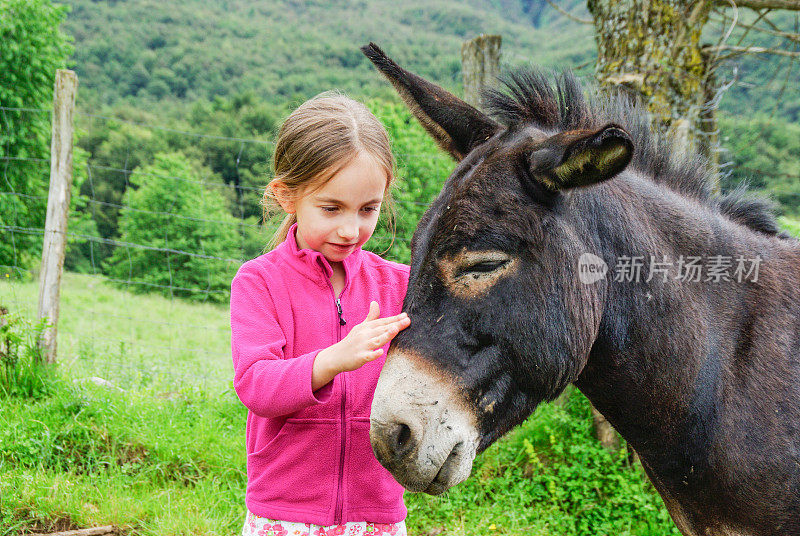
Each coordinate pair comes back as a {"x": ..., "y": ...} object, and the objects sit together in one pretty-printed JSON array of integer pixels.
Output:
[{"x": 342, "y": 247}]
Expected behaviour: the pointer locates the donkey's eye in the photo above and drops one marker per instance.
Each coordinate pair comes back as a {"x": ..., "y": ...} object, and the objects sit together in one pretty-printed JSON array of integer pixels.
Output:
[
  {"x": 470, "y": 274},
  {"x": 482, "y": 267}
]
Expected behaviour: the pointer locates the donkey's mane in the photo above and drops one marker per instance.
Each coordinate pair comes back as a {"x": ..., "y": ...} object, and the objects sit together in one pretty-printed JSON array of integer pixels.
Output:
[{"x": 560, "y": 105}]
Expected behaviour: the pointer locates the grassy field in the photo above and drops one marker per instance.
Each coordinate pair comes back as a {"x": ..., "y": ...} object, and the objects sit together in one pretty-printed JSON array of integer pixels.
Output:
[
  {"x": 165, "y": 456},
  {"x": 132, "y": 339},
  {"x": 793, "y": 226},
  {"x": 161, "y": 466}
]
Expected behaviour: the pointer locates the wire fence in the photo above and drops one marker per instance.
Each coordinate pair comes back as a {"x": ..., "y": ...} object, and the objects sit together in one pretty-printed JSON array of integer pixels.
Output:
[
  {"x": 152, "y": 248},
  {"x": 153, "y": 244}
]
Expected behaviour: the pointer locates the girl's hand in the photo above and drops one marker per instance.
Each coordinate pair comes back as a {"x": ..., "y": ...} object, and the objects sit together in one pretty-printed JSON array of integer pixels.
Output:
[
  {"x": 366, "y": 340},
  {"x": 363, "y": 344}
]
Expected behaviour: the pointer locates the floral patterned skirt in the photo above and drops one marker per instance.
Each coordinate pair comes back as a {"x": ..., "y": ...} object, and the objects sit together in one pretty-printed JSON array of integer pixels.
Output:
[{"x": 261, "y": 526}]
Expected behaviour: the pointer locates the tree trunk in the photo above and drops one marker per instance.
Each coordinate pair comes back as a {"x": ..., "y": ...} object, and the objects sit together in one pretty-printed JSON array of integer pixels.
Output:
[{"x": 652, "y": 47}]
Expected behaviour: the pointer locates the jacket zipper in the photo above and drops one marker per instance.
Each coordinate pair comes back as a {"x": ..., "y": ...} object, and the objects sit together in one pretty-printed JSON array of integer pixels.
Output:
[{"x": 339, "y": 494}]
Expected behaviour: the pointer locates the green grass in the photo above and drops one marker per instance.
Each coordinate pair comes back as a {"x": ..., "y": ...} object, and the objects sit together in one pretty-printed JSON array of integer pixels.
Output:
[
  {"x": 547, "y": 477},
  {"x": 90, "y": 456},
  {"x": 132, "y": 339},
  {"x": 792, "y": 226},
  {"x": 166, "y": 456}
]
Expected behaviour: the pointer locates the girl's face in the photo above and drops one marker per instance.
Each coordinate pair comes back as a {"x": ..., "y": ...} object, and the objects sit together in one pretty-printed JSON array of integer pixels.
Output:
[{"x": 341, "y": 215}]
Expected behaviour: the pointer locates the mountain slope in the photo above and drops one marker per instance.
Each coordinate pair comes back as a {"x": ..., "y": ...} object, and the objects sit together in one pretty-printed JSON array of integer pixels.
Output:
[{"x": 147, "y": 50}]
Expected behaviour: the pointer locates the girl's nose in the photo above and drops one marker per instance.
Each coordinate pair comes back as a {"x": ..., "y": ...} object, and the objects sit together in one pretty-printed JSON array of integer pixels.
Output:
[{"x": 348, "y": 231}]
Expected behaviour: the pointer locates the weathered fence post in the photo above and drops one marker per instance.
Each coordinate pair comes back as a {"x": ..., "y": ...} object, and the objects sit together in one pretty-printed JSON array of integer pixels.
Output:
[
  {"x": 605, "y": 433},
  {"x": 480, "y": 65},
  {"x": 55, "y": 228}
]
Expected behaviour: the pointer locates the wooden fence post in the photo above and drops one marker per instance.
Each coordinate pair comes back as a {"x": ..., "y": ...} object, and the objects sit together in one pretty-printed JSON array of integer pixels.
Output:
[
  {"x": 55, "y": 228},
  {"x": 480, "y": 65},
  {"x": 605, "y": 433}
]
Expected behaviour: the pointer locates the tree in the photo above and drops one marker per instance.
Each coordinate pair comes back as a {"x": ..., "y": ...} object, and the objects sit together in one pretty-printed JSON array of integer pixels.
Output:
[
  {"x": 227, "y": 138},
  {"x": 83, "y": 237},
  {"x": 764, "y": 153},
  {"x": 115, "y": 148},
  {"x": 31, "y": 49},
  {"x": 177, "y": 236},
  {"x": 654, "y": 49},
  {"x": 421, "y": 170}
]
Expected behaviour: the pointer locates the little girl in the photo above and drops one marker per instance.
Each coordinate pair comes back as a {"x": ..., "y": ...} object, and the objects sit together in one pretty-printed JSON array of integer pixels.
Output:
[{"x": 307, "y": 338}]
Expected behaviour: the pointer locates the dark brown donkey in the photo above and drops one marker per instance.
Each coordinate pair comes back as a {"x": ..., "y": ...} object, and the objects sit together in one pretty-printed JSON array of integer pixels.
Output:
[{"x": 569, "y": 245}]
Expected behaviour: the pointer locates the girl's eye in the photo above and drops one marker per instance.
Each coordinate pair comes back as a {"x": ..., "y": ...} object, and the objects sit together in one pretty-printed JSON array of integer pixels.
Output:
[
  {"x": 371, "y": 209},
  {"x": 330, "y": 209}
]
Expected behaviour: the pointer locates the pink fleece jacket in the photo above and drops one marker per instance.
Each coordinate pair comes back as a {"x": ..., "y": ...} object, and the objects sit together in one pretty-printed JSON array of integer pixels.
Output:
[{"x": 309, "y": 457}]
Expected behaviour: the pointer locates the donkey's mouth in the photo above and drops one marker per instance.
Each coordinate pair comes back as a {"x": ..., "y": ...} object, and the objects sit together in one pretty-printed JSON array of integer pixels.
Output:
[
  {"x": 431, "y": 468},
  {"x": 451, "y": 472}
]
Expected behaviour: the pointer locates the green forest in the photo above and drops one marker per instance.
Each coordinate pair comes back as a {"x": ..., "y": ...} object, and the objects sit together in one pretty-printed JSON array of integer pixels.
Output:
[{"x": 191, "y": 93}]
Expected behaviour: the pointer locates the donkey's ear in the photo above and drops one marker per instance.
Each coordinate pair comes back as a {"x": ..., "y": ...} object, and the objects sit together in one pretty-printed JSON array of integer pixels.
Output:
[
  {"x": 455, "y": 125},
  {"x": 586, "y": 158}
]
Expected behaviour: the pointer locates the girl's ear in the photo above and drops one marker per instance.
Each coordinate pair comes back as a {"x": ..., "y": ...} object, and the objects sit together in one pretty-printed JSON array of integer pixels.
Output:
[{"x": 283, "y": 196}]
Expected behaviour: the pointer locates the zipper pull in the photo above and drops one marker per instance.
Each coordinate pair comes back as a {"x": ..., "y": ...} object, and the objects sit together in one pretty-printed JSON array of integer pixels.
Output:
[{"x": 342, "y": 321}]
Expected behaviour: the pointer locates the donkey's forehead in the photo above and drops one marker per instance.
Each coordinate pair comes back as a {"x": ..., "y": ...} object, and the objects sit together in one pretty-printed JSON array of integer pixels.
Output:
[
  {"x": 483, "y": 192},
  {"x": 505, "y": 145},
  {"x": 477, "y": 171},
  {"x": 490, "y": 174},
  {"x": 499, "y": 155}
]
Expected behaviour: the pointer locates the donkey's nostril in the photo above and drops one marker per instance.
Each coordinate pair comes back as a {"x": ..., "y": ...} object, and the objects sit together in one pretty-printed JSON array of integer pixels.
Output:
[
  {"x": 392, "y": 441},
  {"x": 402, "y": 435}
]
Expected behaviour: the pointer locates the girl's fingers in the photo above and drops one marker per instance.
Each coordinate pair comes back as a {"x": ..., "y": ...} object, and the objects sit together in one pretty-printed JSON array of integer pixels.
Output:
[
  {"x": 373, "y": 355},
  {"x": 395, "y": 326},
  {"x": 374, "y": 312},
  {"x": 398, "y": 325},
  {"x": 389, "y": 319},
  {"x": 378, "y": 332},
  {"x": 385, "y": 337}
]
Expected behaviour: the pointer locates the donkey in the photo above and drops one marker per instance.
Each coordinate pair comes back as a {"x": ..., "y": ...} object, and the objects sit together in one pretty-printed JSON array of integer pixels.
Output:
[{"x": 700, "y": 374}]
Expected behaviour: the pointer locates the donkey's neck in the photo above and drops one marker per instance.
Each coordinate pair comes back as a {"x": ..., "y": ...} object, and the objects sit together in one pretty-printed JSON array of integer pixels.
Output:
[{"x": 670, "y": 354}]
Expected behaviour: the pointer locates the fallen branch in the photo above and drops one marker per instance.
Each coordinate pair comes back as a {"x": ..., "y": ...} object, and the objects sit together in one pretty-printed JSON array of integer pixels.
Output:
[{"x": 95, "y": 531}]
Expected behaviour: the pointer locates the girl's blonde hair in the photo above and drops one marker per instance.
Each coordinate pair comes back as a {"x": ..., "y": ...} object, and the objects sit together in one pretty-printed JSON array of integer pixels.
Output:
[{"x": 319, "y": 138}]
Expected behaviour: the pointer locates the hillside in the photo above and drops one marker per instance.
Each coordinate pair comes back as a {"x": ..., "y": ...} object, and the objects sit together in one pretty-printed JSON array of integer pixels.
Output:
[
  {"x": 149, "y": 51},
  {"x": 144, "y": 51}
]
